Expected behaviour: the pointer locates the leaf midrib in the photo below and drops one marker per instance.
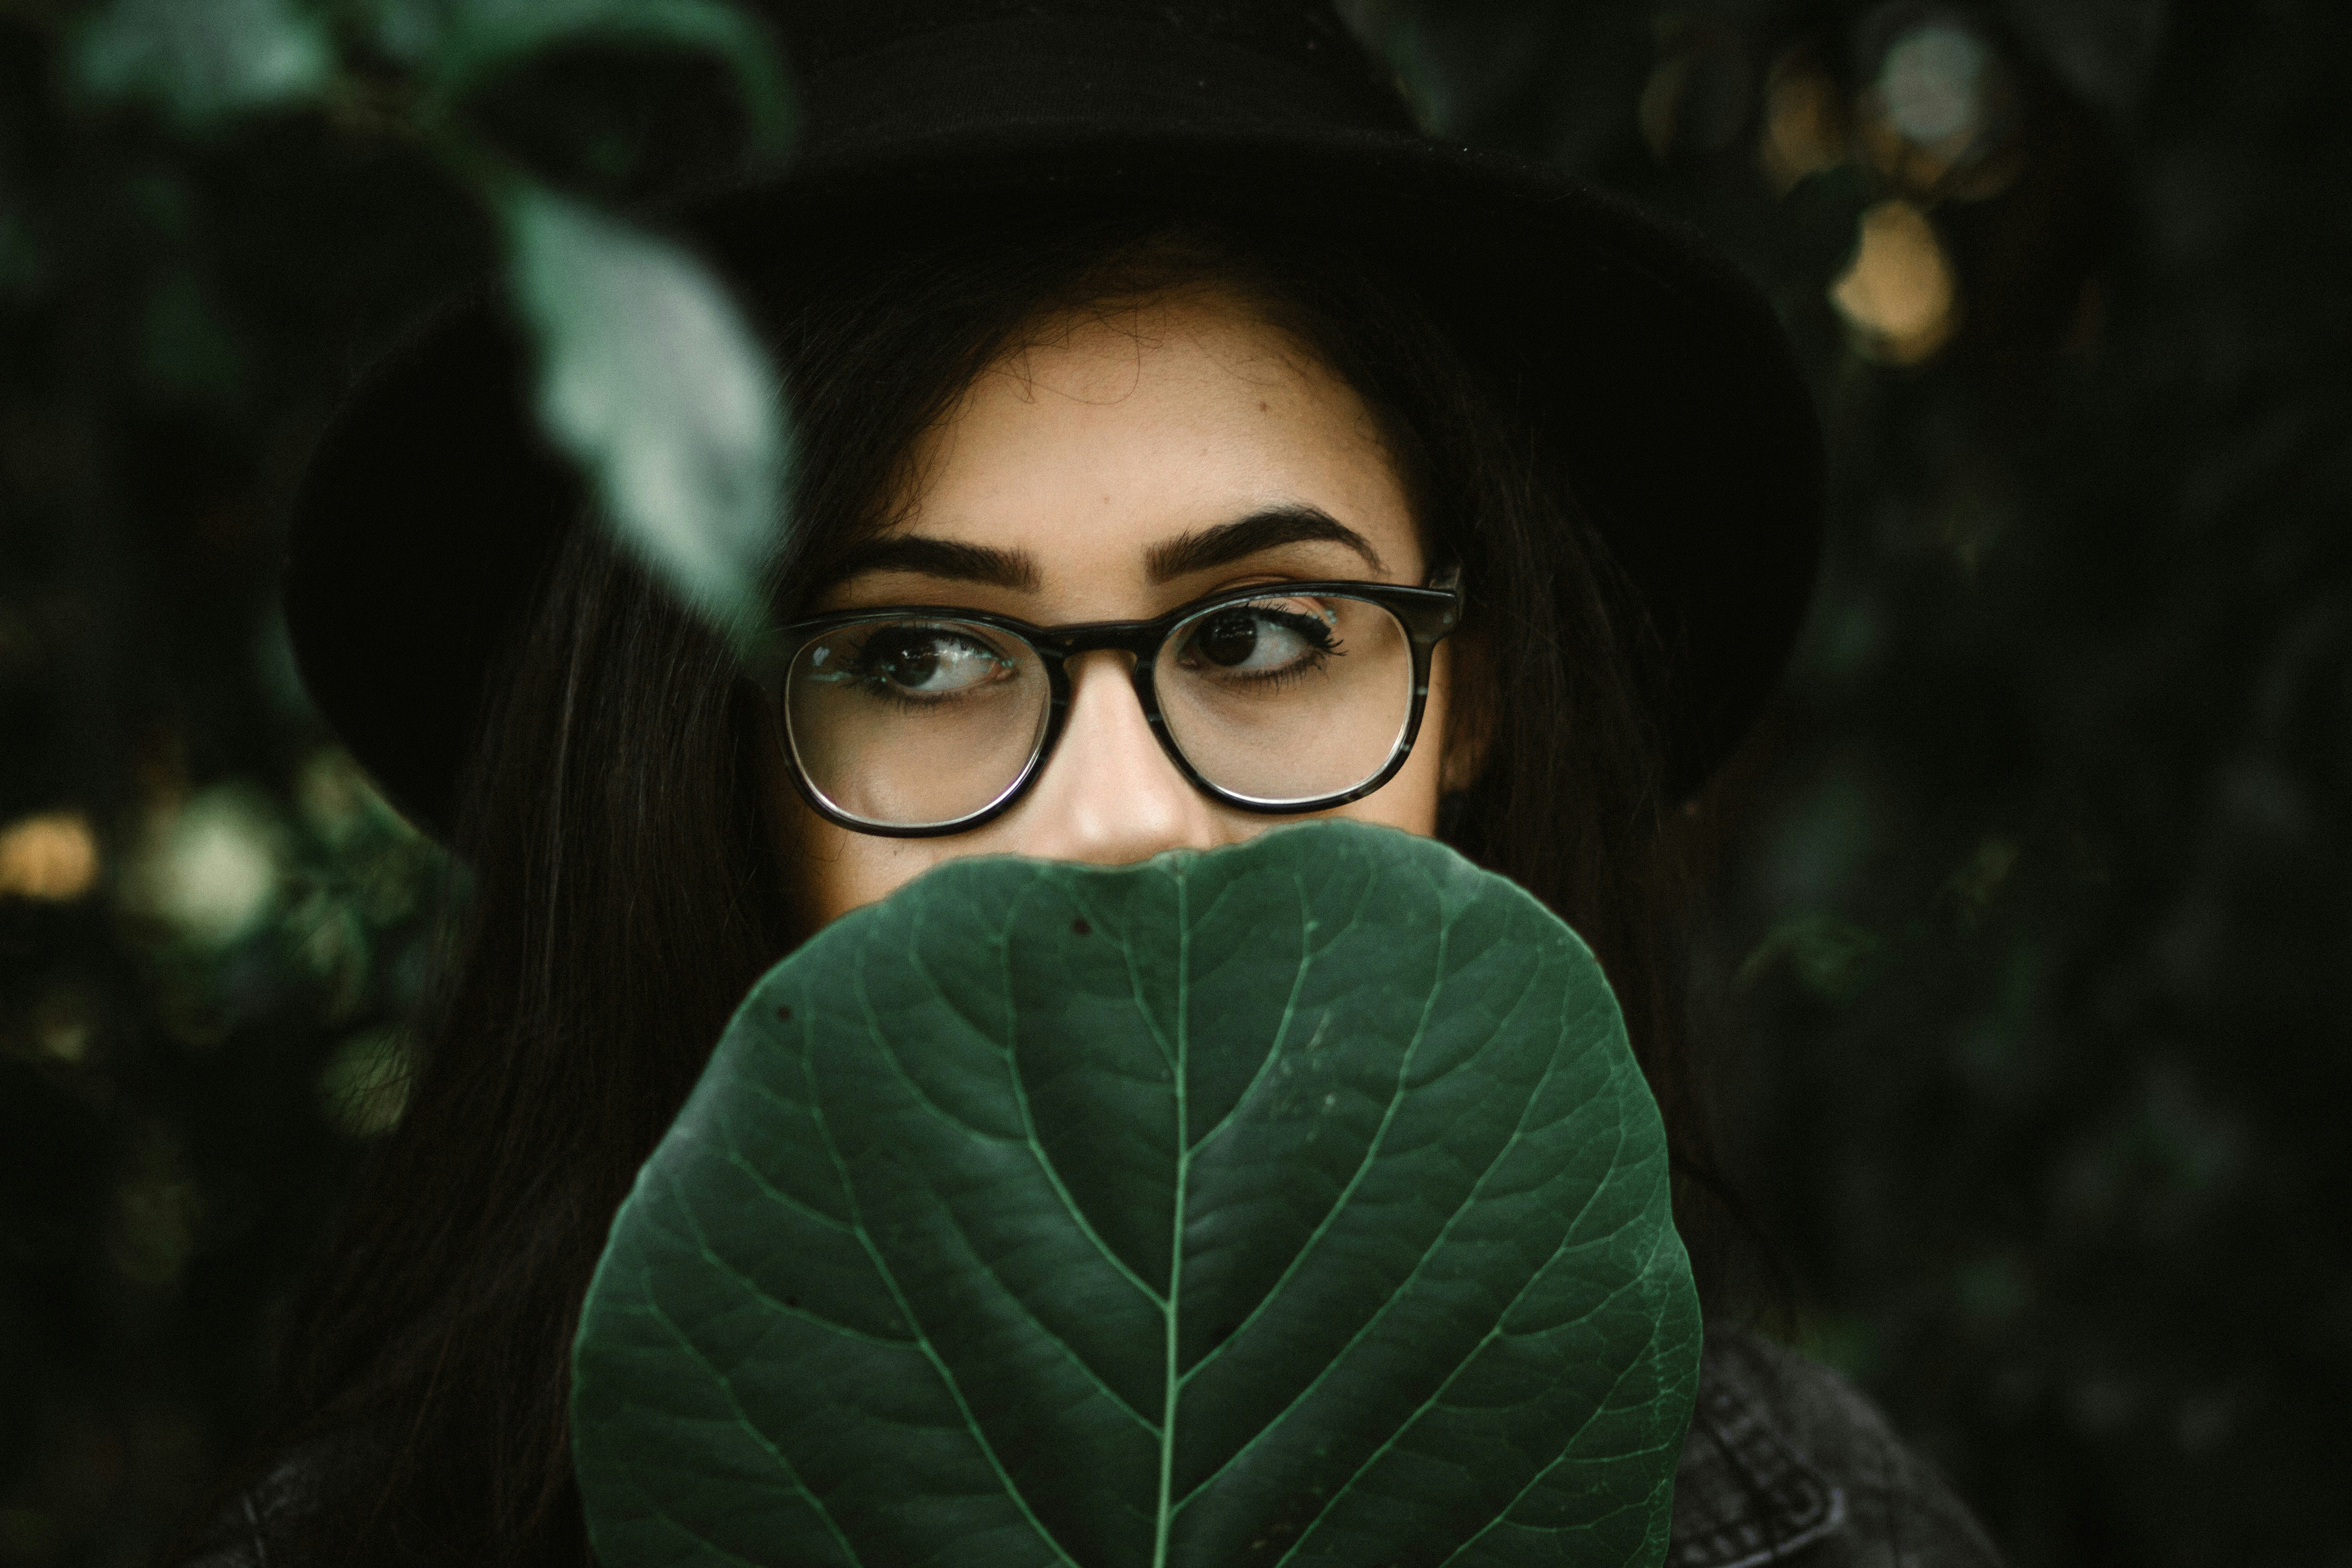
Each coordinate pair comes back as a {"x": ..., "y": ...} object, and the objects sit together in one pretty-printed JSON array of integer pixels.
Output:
[{"x": 1169, "y": 1309}]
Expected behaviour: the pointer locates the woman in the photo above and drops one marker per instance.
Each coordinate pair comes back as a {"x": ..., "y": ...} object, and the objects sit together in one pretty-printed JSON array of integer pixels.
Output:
[{"x": 1090, "y": 313}]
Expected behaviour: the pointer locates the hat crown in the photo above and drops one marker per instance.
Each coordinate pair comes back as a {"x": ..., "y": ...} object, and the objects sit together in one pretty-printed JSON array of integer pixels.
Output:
[{"x": 1307, "y": 35}]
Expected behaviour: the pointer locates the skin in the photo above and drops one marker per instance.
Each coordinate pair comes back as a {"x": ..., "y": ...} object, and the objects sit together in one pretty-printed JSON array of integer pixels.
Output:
[{"x": 1067, "y": 485}]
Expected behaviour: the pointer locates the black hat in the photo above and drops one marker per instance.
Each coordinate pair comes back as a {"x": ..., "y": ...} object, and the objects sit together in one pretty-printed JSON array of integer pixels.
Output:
[{"x": 432, "y": 503}]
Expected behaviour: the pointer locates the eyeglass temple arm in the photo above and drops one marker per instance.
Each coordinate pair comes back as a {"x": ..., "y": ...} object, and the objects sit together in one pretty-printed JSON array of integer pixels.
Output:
[{"x": 1446, "y": 580}]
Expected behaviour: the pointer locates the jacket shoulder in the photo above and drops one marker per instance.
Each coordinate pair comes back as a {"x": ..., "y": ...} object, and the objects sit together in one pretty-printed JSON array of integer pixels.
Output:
[
  {"x": 271, "y": 1523},
  {"x": 1787, "y": 1462}
]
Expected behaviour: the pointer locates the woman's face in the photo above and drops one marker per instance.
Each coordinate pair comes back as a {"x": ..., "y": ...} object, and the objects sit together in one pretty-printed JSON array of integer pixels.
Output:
[{"x": 1122, "y": 464}]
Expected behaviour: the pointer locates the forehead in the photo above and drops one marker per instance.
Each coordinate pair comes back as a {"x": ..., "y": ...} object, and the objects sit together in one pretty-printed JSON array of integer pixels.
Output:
[{"x": 1104, "y": 431}]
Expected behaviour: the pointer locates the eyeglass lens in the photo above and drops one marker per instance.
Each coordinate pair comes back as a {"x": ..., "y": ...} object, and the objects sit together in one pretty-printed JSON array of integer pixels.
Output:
[{"x": 923, "y": 722}]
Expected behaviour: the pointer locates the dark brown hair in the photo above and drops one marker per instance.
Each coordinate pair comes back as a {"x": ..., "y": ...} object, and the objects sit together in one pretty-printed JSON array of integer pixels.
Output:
[{"x": 623, "y": 897}]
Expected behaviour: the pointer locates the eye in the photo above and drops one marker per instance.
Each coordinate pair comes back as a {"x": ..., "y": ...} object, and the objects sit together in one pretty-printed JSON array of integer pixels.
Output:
[
  {"x": 1258, "y": 639},
  {"x": 920, "y": 661}
]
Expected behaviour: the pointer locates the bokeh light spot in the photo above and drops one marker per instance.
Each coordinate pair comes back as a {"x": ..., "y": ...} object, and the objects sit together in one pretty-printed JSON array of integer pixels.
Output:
[
  {"x": 52, "y": 856},
  {"x": 1942, "y": 115},
  {"x": 1932, "y": 84},
  {"x": 1899, "y": 294},
  {"x": 210, "y": 869}
]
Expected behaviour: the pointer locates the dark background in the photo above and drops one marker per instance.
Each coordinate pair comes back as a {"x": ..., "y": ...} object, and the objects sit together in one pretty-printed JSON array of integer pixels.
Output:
[{"x": 2021, "y": 970}]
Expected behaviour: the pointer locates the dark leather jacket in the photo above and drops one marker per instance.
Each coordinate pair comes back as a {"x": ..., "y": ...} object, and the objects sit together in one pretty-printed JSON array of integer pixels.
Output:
[{"x": 1785, "y": 1463}]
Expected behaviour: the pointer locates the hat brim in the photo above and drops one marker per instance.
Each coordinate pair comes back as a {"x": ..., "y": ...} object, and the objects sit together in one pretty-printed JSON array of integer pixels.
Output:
[{"x": 1660, "y": 371}]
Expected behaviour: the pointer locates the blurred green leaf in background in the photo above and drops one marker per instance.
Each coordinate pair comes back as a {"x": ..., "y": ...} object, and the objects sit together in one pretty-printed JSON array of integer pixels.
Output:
[
  {"x": 203, "y": 60},
  {"x": 652, "y": 380}
]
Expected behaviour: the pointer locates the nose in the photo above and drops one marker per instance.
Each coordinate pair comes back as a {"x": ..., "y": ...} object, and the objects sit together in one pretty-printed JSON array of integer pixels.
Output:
[{"x": 1110, "y": 796}]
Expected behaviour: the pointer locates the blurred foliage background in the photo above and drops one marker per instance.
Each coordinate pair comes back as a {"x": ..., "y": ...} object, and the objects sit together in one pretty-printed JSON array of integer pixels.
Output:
[{"x": 2022, "y": 969}]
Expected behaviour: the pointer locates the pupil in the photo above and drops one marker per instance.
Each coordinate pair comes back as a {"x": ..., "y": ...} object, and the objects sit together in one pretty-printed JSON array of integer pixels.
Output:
[
  {"x": 912, "y": 663},
  {"x": 1229, "y": 638}
]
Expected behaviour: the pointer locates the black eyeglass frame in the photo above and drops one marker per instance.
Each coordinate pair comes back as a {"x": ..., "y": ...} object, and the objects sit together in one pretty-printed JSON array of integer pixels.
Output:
[{"x": 1428, "y": 614}]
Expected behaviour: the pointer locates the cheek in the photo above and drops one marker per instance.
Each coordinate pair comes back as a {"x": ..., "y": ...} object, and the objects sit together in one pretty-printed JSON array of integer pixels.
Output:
[
  {"x": 829, "y": 870},
  {"x": 833, "y": 871},
  {"x": 1410, "y": 800}
]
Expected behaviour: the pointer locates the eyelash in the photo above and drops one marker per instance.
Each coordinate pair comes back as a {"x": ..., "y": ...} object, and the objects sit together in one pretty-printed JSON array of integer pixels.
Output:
[
  {"x": 870, "y": 678},
  {"x": 1322, "y": 648},
  {"x": 1315, "y": 629}
]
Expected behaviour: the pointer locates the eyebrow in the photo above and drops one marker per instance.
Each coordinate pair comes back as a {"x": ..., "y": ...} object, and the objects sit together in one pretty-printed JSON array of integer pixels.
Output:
[
  {"x": 946, "y": 559},
  {"x": 1231, "y": 542},
  {"x": 951, "y": 561}
]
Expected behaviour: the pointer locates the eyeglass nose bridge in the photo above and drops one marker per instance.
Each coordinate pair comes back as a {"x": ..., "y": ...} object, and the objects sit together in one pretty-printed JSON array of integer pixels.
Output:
[{"x": 1141, "y": 641}]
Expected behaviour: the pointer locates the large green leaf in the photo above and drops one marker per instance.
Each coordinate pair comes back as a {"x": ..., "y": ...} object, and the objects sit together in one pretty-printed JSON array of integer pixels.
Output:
[
  {"x": 651, "y": 379},
  {"x": 1297, "y": 1203}
]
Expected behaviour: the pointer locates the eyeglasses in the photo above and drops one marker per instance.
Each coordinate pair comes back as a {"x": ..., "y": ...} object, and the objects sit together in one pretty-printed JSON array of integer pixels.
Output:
[{"x": 912, "y": 721}]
